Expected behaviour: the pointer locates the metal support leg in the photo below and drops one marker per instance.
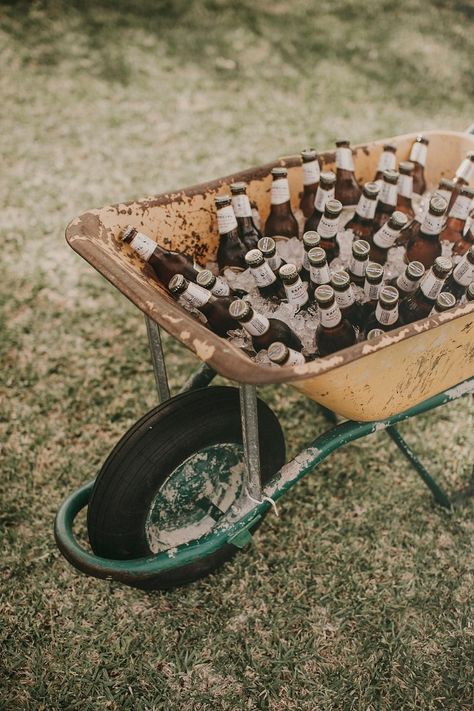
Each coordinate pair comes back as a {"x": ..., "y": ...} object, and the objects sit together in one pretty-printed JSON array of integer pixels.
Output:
[
  {"x": 249, "y": 417},
  {"x": 158, "y": 359},
  {"x": 439, "y": 495}
]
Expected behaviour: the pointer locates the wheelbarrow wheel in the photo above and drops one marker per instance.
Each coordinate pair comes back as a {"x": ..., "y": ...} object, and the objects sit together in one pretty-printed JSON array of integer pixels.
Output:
[{"x": 172, "y": 475}]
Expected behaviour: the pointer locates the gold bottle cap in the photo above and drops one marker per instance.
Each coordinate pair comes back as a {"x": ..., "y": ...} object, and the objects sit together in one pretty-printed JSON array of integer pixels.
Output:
[
  {"x": 445, "y": 301},
  {"x": 438, "y": 205},
  {"x": 317, "y": 256},
  {"x": 206, "y": 278},
  {"x": 177, "y": 284},
  {"x": 415, "y": 270},
  {"x": 374, "y": 272},
  {"x": 390, "y": 176},
  {"x": 254, "y": 258},
  {"x": 340, "y": 280},
  {"x": 327, "y": 179},
  {"x": 398, "y": 220},
  {"x": 371, "y": 190},
  {"x": 324, "y": 294},
  {"x": 406, "y": 167},
  {"x": 239, "y": 187},
  {"x": 288, "y": 272},
  {"x": 308, "y": 154},
  {"x": 334, "y": 207},
  {"x": 267, "y": 246},
  {"x": 279, "y": 171},
  {"x": 311, "y": 239},
  {"x": 388, "y": 296},
  {"x": 240, "y": 309},
  {"x": 360, "y": 248},
  {"x": 277, "y": 352}
]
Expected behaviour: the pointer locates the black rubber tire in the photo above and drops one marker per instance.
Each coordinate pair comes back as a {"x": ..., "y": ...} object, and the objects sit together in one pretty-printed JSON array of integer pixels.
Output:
[{"x": 146, "y": 455}]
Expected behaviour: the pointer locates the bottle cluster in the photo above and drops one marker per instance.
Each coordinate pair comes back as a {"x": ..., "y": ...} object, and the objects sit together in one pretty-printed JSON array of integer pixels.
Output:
[{"x": 262, "y": 289}]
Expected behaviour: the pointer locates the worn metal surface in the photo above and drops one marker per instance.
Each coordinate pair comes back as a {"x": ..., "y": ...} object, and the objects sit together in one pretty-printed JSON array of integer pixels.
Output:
[
  {"x": 356, "y": 382},
  {"x": 249, "y": 418},
  {"x": 157, "y": 359}
]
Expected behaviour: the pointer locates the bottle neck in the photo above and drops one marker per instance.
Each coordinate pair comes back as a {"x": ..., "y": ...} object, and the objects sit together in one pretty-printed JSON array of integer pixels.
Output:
[
  {"x": 145, "y": 246},
  {"x": 280, "y": 193},
  {"x": 463, "y": 273},
  {"x": 405, "y": 186},
  {"x": 330, "y": 315},
  {"x": 418, "y": 153},
  {"x": 366, "y": 208},
  {"x": 385, "y": 316},
  {"x": 195, "y": 296},
  {"x": 345, "y": 298},
  {"x": 328, "y": 226},
  {"x": 431, "y": 285},
  {"x": 226, "y": 220},
  {"x": 387, "y": 161},
  {"x": 431, "y": 225},
  {"x": 460, "y": 209},
  {"x": 311, "y": 174},
  {"x": 322, "y": 196},
  {"x": 372, "y": 290},
  {"x": 257, "y": 324},
  {"x": 388, "y": 194},
  {"x": 241, "y": 206},
  {"x": 344, "y": 160}
]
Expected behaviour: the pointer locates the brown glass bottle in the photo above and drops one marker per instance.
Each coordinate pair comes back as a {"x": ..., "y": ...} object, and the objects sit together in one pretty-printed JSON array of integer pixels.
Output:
[
  {"x": 372, "y": 286},
  {"x": 386, "y": 237},
  {"x": 347, "y": 188},
  {"x": 351, "y": 309},
  {"x": 215, "y": 309},
  {"x": 311, "y": 175},
  {"x": 164, "y": 262},
  {"x": 444, "y": 302},
  {"x": 408, "y": 282},
  {"x": 425, "y": 247},
  {"x": 263, "y": 330},
  {"x": 462, "y": 275},
  {"x": 374, "y": 333},
  {"x": 418, "y": 153},
  {"x": 387, "y": 160},
  {"x": 328, "y": 228},
  {"x": 405, "y": 188},
  {"x": 470, "y": 293},
  {"x": 296, "y": 290},
  {"x": 231, "y": 250},
  {"x": 333, "y": 332},
  {"x": 385, "y": 316},
  {"x": 324, "y": 193},
  {"x": 267, "y": 246},
  {"x": 281, "y": 220},
  {"x": 248, "y": 232},
  {"x": 318, "y": 270},
  {"x": 419, "y": 304},
  {"x": 362, "y": 223},
  {"x": 464, "y": 244},
  {"x": 387, "y": 201},
  {"x": 281, "y": 355},
  {"x": 266, "y": 280},
  {"x": 310, "y": 239},
  {"x": 454, "y": 228},
  {"x": 463, "y": 177},
  {"x": 217, "y": 285},
  {"x": 359, "y": 261}
]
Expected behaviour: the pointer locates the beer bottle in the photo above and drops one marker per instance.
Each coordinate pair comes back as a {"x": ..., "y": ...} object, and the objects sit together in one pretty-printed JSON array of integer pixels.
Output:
[
  {"x": 419, "y": 304},
  {"x": 463, "y": 177},
  {"x": 462, "y": 275},
  {"x": 372, "y": 286},
  {"x": 405, "y": 188},
  {"x": 374, "y": 333},
  {"x": 231, "y": 250},
  {"x": 387, "y": 201},
  {"x": 267, "y": 246},
  {"x": 215, "y": 309},
  {"x": 445, "y": 189},
  {"x": 281, "y": 355},
  {"x": 333, "y": 332},
  {"x": 470, "y": 292},
  {"x": 328, "y": 228},
  {"x": 407, "y": 282},
  {"x": 359, "y": 261},
  {"x": 281, "y": 220},
  {"x": 347, "y": 187},
  {"x": 248, "y": 232},
  {"x": 464, "y": 244},
  {"x": 385, "y": 316},
  {"x": 310, "y": 239},
  {"x": 425, "y": 246},
  {"x": 351, "y": 309},
  {"x": 318, "y": 269},
  {"x": 311, "y": 174},
  {"x": 418, "y": 155},
  {"x": 454, "y": 228},
  {"x": 386, "y": 237},
  {"x": 266, "y": 280},
  {"x": 362, "y": 224},
  {"x": 324, "y": 193},
  {"x": 164, "y": 262},
  {"x": 296, "y": 290},
  {"x": 444, "y": 302},
  {"x": 216, "y": 285},
  {"x": 387, "y": 160},
  {"x": 263, "y": 330}
]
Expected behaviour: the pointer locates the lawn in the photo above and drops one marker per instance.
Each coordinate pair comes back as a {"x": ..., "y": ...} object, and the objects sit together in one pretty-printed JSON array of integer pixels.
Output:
[{"x": 359, "y": 596}]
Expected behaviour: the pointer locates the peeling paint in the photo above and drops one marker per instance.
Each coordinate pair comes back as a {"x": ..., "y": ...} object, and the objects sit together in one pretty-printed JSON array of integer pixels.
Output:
[{"x": 203, "y": 349}]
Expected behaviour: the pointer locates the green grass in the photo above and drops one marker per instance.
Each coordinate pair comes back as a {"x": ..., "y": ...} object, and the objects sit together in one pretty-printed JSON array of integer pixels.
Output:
[{"x": 360, "y": 595}]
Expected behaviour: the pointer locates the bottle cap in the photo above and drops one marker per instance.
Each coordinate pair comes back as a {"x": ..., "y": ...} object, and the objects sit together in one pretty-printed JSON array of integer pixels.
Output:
[
  {"x": 374, "y": 333},
  {"x": 360, "y": 248},
  {"x": 327, "y": 179},
  {"x": 341, "y": 142},
  {"x": 311, "y": 239},
  {"x": 254, "y": 258},
  {"x": 177, "y": 284},
  {"x": 470, "y": 292},
  {"x": 446, "y": 184},
  {"x": 126, "y": 234},
  {"x": 277, "y": 352},
  {"x": 470, "y": 254},
  {"x": 267, "y": 246},
  {"x": 398, "y": 220},
  {"x": 308, "y": 154},
  {"x": 288, "y": 272},
  {"x": 445, "y": 301},
  {"x": 421, "y": 139},
  {"x": 467, "y": 191},
  {"x": 279, "y": 171},
  {"x": 390, "y": 176},
  {"x": 391, "y": 147},
  {"x": 438, "y": 205},
  {"x": 222, "y": 200},
  {"x": 239, "y": 187},
  {"x": 317, "y": 256},
  {"x": 470, "y": 155},
  {"x": 406, "y": 167},
  {"x": 371, "y": 190},
  {"x": 333, "y": 207},
  {"x": 206, "y": 278},
  {"x": 374, "y": 272},
  {"x": 240, "y": 309},
  {"x": 415, "y": 270},
  {"x": 340, "y": 280},
  {"x": 388, "y": 296},
  {"x": 442, "y": 266},
  {"x": 324, "y": 294}
]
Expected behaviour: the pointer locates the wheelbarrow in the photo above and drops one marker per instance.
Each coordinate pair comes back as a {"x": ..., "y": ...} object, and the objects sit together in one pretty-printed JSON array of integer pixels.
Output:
[{"x": 189, "y": 483}]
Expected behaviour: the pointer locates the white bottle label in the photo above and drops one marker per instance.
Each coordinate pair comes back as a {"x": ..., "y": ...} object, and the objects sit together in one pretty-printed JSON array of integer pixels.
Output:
[
  {"x": 274, "y": 262},
  {"x": 322, "y": 196},
  {"x": 358, "y": 267},
  {"x": 263, "y": 274},
  {"x": 418, "y": 153},
  {"x": 405, "y": 185},
  {"x": 195, "y": 295},
  {"x": 320, "y": 275},
  {"x": 297, "y": 293},
  {"x": 220, "y": 288},
  {"x": 431, "y": 285},
  {"x": 226, "y": 219},
  {"x": 295, "y": 358},
  {"x": 388, "y": 193},
  {"x": 385, "y": 236},
  {"x": 406, "y": 285},
  {"x": 466, "y": 170},
  {"x": 328, "y": 227},
  {"x": 345, "y": 298},
  {"x": 143, "y": 245},
  {"x": 257, "y": 325},
  {"x": 372, "y": 290},
  {"x": 344, "y": 158},
  {"x": 464, "y": 272},
  {"x": 366, "y": 207},
  {"x": 461, "y": 207},
  {"x": 241, "y": 206},
  {"x": 446, "y": 194},
  {"x": 331, "y": 316},
  {"x": 311, "y": 172},
  {"x": 432, "y": 224},
  {"x": 386, "y": 316},
  {"x": 280, "y": 191},
  {"x": 387, "y": 161}
]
